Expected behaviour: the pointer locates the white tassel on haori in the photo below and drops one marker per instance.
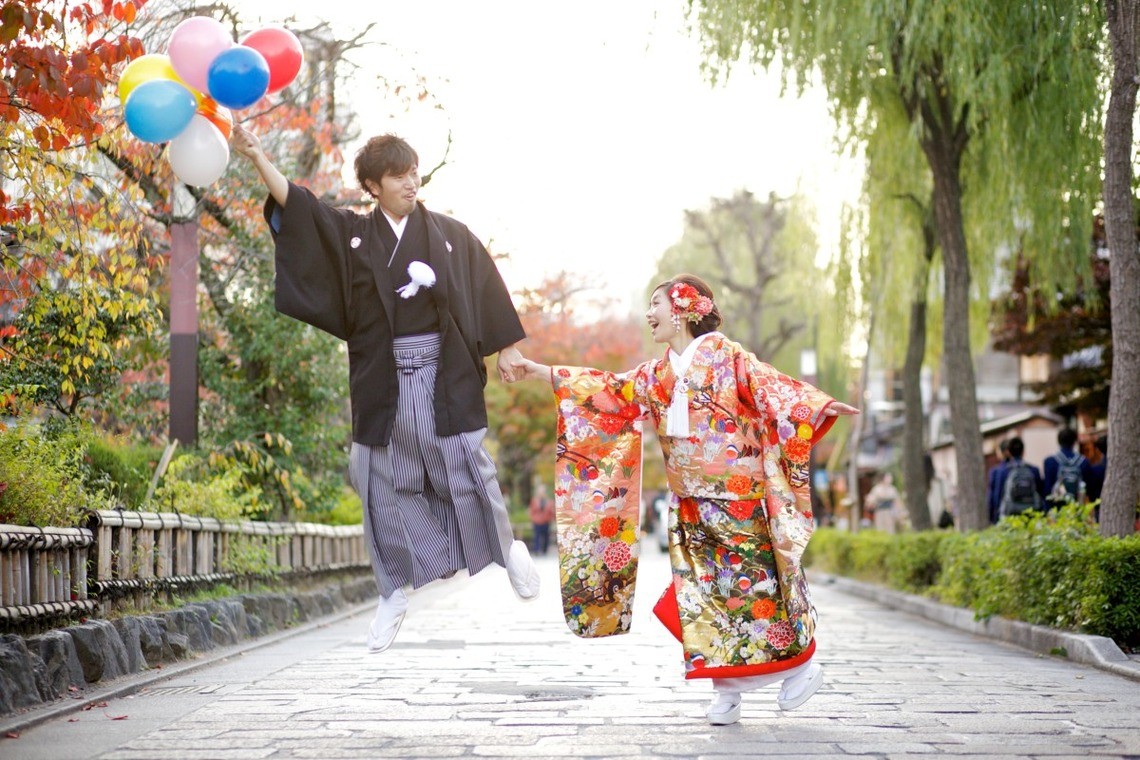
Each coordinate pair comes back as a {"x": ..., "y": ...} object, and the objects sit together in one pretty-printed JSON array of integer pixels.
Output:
[
  {"x": 677, "y": 418},
  {"x": 422, "y": 276}
]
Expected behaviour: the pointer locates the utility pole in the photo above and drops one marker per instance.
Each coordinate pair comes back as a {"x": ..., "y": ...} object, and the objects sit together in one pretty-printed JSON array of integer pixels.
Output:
[{"x": 184, "y": 319}]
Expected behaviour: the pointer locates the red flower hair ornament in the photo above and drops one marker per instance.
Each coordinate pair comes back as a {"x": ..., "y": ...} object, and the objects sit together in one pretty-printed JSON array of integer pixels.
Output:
[{"x": 688, "y": 304}]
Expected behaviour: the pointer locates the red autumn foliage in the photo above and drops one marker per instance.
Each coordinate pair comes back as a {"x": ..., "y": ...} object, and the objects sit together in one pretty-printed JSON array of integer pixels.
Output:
[{"x": 58, "y": 59}]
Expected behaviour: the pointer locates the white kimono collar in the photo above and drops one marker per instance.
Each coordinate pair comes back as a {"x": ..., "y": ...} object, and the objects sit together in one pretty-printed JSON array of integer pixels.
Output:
[{"x": 677, "y": 418}]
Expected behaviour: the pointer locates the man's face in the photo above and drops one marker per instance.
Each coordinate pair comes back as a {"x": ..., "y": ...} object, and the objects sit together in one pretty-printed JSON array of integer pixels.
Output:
[{"x": 396, "y": 193}]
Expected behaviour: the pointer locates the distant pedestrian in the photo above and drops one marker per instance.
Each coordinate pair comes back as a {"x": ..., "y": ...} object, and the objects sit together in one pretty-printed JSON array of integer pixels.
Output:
[
  {"x": 541, "y": 516},
  {"x": 1019, "y": 483},
  {"x": 993, "y": 492},
  {"x": 886, "y": 504},
  {"x": 936, "y": 501},
  {"x": 1096, "y": 473},
  {"x": 1066, "y": 472}
]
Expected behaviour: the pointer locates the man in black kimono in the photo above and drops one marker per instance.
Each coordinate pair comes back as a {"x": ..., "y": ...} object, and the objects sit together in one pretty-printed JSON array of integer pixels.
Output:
[{"x": 420, "y": 303}]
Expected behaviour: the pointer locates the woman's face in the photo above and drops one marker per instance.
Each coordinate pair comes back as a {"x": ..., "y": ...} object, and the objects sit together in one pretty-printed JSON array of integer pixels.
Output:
[{"x": 659, "y": 316}]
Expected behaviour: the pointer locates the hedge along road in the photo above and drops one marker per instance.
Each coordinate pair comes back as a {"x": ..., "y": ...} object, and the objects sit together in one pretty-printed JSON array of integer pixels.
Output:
[{"x": 474, "y": 672}]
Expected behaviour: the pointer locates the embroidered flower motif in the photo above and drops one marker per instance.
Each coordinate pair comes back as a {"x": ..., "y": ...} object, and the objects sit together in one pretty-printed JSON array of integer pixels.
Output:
[
  {"x": 797, "y": 449},
  {"x": 739, "y": 484},
  {"x": 617, "y": 556},
  {"x": 608, "y": 528},
  {"x": 762, "y": 609},
  {"x": 805, "y": 431},
  {"x": 800, "y": 413},
  {"x": 742, "y": 510},
  {"x": 688, "y": 303},
  {"x": 610, "y": 424},
  {"x": 780, "y": 635}
]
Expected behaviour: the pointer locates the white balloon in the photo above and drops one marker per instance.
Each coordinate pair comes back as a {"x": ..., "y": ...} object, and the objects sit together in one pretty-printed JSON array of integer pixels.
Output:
[{"x": 199, "y": 154}]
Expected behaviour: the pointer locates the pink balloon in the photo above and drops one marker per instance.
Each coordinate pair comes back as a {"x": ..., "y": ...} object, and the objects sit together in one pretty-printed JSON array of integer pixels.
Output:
[{"x": 193, "y": 46}]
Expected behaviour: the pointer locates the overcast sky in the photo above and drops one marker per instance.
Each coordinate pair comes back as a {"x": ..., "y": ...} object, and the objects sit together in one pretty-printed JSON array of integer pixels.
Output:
[{"x": 581, "y": 132}]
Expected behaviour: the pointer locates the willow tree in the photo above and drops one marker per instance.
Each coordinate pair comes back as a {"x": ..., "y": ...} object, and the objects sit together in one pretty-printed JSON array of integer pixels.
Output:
[
  {"x": 900, "y": 250},
  {"x": 1005, "y": 94},
  {"x": 1122, "y": 484}
]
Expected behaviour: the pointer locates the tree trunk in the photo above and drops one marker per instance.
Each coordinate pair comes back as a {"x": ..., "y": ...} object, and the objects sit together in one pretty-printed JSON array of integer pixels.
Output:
[
  {"x": 943, "y": 147},
  {"x": 914, "y": 444},
  {"x": 1122, "y": 482}
]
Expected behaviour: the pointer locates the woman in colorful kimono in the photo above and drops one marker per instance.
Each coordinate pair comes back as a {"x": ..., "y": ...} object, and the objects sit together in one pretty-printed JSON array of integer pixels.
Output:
[{"x": 736, "y": 435}]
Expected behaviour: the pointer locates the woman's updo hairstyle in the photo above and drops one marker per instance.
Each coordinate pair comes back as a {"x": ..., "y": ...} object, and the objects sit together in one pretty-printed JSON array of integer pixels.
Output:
[{"x": 710, "y": 321}]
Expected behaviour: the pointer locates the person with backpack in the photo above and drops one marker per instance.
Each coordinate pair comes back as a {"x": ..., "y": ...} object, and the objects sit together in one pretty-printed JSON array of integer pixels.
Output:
[
  {"x": 1066, "y": 472},
  {"x": 1019, "y": 483},
  {"x": 993, "y": 489}
]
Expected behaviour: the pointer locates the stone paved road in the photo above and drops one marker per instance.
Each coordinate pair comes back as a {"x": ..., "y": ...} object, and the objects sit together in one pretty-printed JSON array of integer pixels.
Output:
[{"x": 475, "y": 673}]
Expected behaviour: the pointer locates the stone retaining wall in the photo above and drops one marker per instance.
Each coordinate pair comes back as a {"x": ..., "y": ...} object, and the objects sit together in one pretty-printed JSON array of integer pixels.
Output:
[{"x": 46, "y": 667}]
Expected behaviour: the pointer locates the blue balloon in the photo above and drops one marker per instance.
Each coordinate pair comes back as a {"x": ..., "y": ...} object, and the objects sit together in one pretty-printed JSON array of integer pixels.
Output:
[
  {"x": 238, "y": 77},
  {"x": 157, "y": 111}
]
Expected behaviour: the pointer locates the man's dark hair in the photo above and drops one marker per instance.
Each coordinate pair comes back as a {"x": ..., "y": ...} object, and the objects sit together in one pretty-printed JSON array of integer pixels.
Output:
[
  {"x": 1102, "y": 444},
  {"x": 383, "y": 154},
  {"x": 711, "y": 320},
  {"x": 1016, "y": 447},
  {"x": 1066, "y": 437},
  {"x": 1003, "y": 449}
]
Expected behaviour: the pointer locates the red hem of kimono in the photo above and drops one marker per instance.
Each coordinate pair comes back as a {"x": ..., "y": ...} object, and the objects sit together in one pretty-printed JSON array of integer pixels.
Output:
[
  {"x": 760, "y": 669},
  {"x": 669, "y": 614}
]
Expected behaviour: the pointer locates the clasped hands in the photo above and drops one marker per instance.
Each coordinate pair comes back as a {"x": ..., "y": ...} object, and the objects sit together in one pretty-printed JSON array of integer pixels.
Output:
[{"x": 513, "y": 366}]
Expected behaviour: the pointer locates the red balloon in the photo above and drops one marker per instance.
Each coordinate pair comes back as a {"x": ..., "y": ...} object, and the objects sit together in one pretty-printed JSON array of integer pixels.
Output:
[{"x": 281, "y": 50}]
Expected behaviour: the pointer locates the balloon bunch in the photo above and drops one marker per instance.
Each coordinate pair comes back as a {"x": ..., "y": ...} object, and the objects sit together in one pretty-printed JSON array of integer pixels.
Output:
[{"x": 185, "y": 96}]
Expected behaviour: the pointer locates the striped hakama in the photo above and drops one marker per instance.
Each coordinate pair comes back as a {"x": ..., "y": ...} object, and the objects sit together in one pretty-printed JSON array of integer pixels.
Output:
[{"x": 432, "y": 504}]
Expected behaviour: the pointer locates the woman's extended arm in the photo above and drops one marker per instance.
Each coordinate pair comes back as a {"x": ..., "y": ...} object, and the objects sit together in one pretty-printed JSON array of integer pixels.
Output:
[{"x": 525, "y": 369}]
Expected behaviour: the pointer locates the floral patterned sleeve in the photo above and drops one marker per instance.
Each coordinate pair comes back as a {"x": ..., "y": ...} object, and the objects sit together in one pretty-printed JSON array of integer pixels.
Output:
[
  {"x": 794, "y": 421},
  {"x": 597, "y": 488},
  {"x": 792, "y": 408}
]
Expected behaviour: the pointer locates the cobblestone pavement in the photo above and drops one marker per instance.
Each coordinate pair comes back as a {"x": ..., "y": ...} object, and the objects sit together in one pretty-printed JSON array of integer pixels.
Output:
[{"x": 476, "y": 673}]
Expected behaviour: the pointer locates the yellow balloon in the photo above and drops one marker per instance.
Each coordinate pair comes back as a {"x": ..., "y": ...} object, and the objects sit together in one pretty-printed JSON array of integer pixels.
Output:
[{"x": 148, "y": 67}]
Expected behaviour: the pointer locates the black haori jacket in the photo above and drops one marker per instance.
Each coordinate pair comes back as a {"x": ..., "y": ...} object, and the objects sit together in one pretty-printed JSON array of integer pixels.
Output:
[{"x": 321, "y": 255}]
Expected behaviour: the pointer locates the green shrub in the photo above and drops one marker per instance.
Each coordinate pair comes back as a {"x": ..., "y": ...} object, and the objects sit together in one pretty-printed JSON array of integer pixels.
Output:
[
  {"x": 122, "y": 469},
  {"x": 913, "y": 563},
  {"x": 251, "y": 555},
  {"x": 41, "y": 476},
  {"x": 830, "y": 551},
  {"x": 348, "y": 510},
  {"x": 1053, "y": 570},
  {"x": 191, "y": 486},
  {"x": 869, "y": 556},
  {"x": 1110, "y": 599}
]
